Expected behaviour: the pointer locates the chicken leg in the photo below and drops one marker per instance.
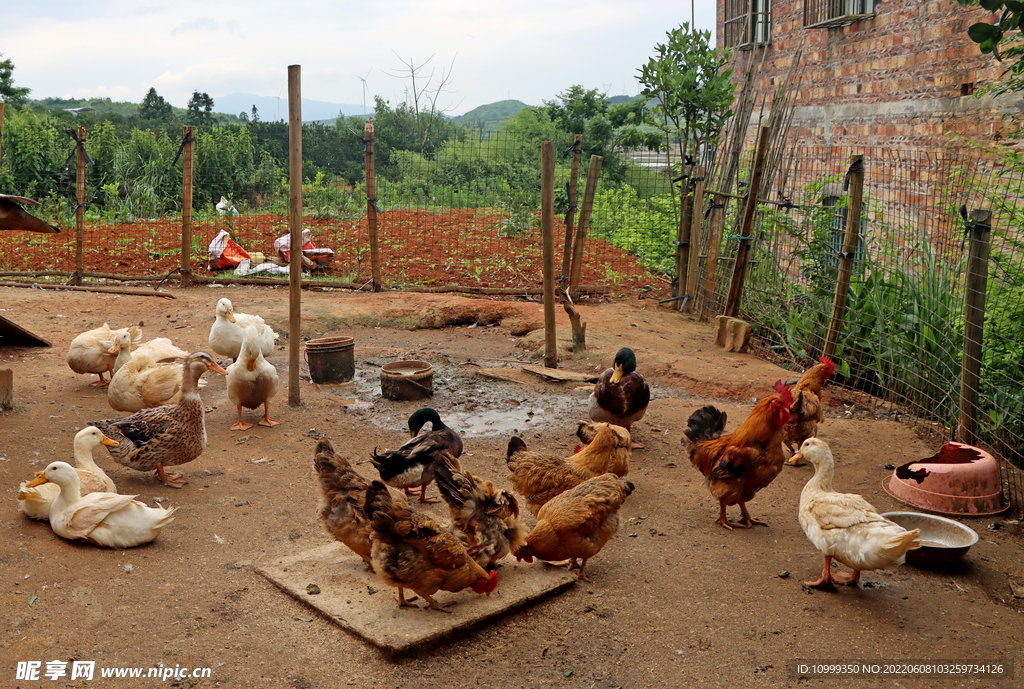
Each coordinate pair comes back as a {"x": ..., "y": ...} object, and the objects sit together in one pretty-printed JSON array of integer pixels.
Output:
[{"x": 747, "y": 520}]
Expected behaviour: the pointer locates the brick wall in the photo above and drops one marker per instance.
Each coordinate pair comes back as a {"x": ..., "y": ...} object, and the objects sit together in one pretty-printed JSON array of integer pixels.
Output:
[{"x": 897, "y": 78}]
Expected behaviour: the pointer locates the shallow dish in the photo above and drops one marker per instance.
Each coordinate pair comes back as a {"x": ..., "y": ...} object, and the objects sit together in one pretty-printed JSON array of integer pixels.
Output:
[{"x": 945, "y": 541}]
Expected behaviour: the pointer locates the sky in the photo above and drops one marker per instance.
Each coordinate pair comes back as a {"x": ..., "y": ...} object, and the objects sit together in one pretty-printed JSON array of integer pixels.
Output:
[{"x": 528, "y": 50}]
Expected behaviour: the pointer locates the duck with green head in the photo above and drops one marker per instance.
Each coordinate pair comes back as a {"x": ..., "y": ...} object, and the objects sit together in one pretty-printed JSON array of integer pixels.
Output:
[
  {"x": 413, "y": 463},
  {"x": 621, "y": 395}
]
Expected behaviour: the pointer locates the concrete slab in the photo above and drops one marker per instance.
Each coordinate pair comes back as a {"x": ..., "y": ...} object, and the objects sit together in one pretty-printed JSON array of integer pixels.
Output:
[{"x": 345, "y": 586}]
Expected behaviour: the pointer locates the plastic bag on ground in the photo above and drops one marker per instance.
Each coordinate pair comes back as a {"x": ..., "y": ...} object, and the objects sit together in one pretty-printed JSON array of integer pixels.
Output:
[{"x": 224, "y": 253}]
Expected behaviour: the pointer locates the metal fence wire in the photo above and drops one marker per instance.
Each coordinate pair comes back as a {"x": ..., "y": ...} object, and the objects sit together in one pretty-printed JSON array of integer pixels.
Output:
[
  {"x": 464, "y": 213},
  {"x": 902, "y": 339}
]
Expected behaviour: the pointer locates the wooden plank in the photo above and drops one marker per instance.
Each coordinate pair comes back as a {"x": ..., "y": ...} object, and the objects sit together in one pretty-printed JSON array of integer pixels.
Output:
[
  {"x": 739, "y": 274},
  {"x": 561, "y": 374},
  {"x": 187, "y": 164},
  {"x": 975, "y": 295},
  {"x": 13, "y": 335},
  {"x": 849, "y": 250},
  {"x": 356, "y": 599},
  {"x": 692, "y": 272}
]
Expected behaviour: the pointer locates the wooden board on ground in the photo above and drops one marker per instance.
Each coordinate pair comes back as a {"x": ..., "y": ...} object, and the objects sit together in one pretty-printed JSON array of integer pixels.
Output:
[
  {"x": 561, "y": 374},
  {"x": 357, "y": 600},
  {"x": 512, "y": 375},
  {"x": 13, "y": 335}
]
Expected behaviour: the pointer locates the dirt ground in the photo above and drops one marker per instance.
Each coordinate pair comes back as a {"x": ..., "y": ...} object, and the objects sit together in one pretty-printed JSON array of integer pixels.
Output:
[{"x": 675, "y": 601}]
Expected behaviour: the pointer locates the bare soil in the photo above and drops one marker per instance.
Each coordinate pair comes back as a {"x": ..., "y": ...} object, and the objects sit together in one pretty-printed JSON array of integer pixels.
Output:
[{"x": 675, "y": 601}]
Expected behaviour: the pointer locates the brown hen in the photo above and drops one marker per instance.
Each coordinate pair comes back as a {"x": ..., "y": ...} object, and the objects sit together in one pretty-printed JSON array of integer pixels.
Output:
[{"x": 342, "y": 494}]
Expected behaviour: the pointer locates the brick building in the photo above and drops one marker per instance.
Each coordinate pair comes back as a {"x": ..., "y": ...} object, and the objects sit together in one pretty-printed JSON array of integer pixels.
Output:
[{"x": 875, "y": 72}]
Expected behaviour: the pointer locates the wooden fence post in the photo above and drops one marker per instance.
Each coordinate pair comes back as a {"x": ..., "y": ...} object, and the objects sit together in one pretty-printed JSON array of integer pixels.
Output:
[
  {"x": 187, "y": 157},
  {"x": 76, "y": 279},
  {"x": 697, "y": 215},
  {"x": 593, "y": 173},
  {"x": 715, "y": 227},
  {"x": 975, "y": 292},
  {"x": 850, "y": 240},
  {"x": 295, "y": 229},
  {"x": 739, "y": 273},
  {"x": 570, "y": 215},
  {"x": 547, "y": 224},
  {"x": 371, "y": 206},
  {"x": 1, "y": 131},
  {"x": 683, "y": 246}
]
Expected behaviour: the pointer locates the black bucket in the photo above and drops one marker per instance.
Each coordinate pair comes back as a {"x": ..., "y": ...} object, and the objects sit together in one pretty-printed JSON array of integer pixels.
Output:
[{"x": 331, "y": 359}]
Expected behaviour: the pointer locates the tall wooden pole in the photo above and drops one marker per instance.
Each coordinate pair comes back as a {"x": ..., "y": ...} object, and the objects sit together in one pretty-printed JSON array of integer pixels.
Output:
[
  {"x": 975, "y": 293},
  {"x": 709, "y": 301},
  {"x": 371, "y": 206},
  {"x": 695, "y": 232},
  {"x": 570, "y": 216},
  {"x": 547, "y": 224},
  {"x": 739, "y": 273},
  {"x": 295, "y": 229},
  {"x": 1, "y": 130},
  {"x": 683, "y": 245},
  {"x": 593, "y": 174},
  {"x": 187, "y": 157},
  {"x": 850, "y": 239},
  {"x": 80, "y": 210}
]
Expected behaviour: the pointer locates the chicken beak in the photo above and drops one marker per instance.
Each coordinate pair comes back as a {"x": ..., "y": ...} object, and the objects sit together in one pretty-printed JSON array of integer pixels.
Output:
[
  {"x": 231, "y": 316},
  {"x": 109, "y": 441},
  {"x": 617, "y": 376},
  {"x": 217, "y": 368},
  {"x": 250, "y": 363},
  {"x": 39, "y": 480}
]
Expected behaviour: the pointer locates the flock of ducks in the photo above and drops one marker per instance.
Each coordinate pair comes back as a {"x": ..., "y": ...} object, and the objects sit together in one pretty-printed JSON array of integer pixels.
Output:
[
  {"x": 159, "y": 383},
  {"x": 575, "y": 500}
]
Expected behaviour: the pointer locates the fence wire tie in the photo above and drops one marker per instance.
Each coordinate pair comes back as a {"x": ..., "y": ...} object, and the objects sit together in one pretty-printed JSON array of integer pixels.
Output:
[
  {"x": 79, "y": 143},
  {"x": 969, "y": 226},
  {"x": 359, "y": 136},
  {"x": 679, "y": 243},
  {"x": 712, "y": 206},
  {"x": 740, "y": 237},
  {"x": 187, "y": 139},
  {"x": 373, "y": 202},
  {"x": 846, "y": 254},
  {"x": 855, "y": 166},
  {"x": 572, "y": 149}
]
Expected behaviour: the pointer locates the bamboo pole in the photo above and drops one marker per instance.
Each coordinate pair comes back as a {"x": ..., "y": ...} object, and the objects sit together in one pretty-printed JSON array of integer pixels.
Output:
[
  {"x": 593, "y": 174},
  {"x": 371, "y": 206},
  {"x": 1, "y": 131},
  {"x": 850, "y": 239},
  {"x": 975, "y": 293},
  {"x": 739, "y": 274},
  {"x": 80, "y": 210},
  {"x": 695, "y": 233},
  {"x": 570, "y": 216},
  {"x": 547, "y": 217},
  {"x": 295, "y": 229},
  {"x": 188, "y": 140},
  {"x": 683, "y": 245}
]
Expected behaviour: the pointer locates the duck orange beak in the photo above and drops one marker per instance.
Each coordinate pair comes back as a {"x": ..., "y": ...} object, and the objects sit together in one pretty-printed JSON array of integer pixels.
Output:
[
  {"x": 617, "y": 376},
  {"x": 109, "y": 441},
  {"x": 217, "y": 368},
  {"x": 250, "y": 363},
  {"x": 231, "y": 316},
  {"x": 39, "y": 480},
  {"x": 115, "y": 349}
]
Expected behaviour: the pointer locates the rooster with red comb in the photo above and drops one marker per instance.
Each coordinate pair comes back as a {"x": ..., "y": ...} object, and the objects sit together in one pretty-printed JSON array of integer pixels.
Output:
[
  {"x": 807, "y": 411},
  {"x": 739, "y": 464}
]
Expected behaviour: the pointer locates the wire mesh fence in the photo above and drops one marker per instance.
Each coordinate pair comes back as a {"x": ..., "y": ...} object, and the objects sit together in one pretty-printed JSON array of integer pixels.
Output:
[
  {"x": 465, "y": 213},
  {"x": 902, "y": 337}
]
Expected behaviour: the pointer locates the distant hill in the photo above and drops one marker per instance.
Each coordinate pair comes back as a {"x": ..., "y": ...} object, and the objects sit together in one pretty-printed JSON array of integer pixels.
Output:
[
  {"x": 492, "y": 112},
  {"x": 102, "y": 106},
  {"x": 272, "y": 109}
]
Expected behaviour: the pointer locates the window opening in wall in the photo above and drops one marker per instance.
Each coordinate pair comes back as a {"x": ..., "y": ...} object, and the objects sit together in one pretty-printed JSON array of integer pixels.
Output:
[
  {"x": 834, "y": 13},
  {"x": 747, "y": 23}
]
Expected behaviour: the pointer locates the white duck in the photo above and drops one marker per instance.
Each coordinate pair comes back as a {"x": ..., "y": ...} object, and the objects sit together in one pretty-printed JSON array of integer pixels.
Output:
[
  {"x": 36, "y": 496},
  {"x": 95, "y": 351},
  {"x": 143, "y": 383},
  {"x": 158, "y": 348},
  {"x": 252, "y": 381},
  {"x": 228, "y": 327},
  {"x": 104, "y": 519},
  {"x": 844, "y": 526}
]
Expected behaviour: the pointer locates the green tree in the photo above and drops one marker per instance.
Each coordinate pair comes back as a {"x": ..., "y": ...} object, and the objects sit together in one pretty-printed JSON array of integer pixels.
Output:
[
  {"x": 692, "y": 88},
  {"x": 9, "y": 93},
  {"x": 200, "y": 109},
  {"x": 154, "y": 107},
  {"x": 1002, "y": 39}
]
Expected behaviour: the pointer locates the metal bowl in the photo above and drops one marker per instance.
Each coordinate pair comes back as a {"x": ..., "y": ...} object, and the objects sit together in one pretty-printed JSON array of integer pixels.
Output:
[{"x": 945, "y": 541}]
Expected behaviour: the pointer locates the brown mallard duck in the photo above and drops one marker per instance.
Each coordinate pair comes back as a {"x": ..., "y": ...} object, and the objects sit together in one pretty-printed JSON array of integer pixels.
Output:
[
  {"x": 168, "y": 435},
  {"x": 413, "y": 463},
  {"x": 621, "y": 395},
  {"x": 342, "y": 494}
]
